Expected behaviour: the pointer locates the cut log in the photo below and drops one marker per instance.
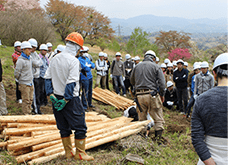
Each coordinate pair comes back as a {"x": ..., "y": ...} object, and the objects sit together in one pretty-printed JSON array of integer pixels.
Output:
[
  {"x": 45, "y": 145},
  {"x": 36, "y": 133},
  {"x": 3, "y": 144}
]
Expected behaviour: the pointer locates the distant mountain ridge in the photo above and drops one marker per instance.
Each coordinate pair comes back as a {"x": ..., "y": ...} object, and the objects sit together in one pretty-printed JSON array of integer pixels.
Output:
[{"x": 152, "y": 23}]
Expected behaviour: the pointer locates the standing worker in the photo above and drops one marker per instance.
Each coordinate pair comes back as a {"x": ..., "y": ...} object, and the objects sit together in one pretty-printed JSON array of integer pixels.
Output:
[
  {"x": 107, "y": 71},
  {"x": 62, "y": 84},
  {"x": 118, "y": 74},
  {"x": 15, "y": 55},
  {"x": 180, "y": 77},
  {"x": 3, "y": 108},
  {"x": 129, "y": 65},
  {"x": 209, "y": 118},
  {"x": 145, "y": 77},
  {"x": 50, "y": 53},
  {"x": 101, "y": 67},
  {"x": 203, "y": 81}
]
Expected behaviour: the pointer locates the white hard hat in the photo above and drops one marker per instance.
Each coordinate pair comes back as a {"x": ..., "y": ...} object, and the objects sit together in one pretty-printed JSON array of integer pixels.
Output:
[
  {"x": 60, "y": 48},
  {"x": 169, "y": 84},
  {"x": 33, "y": 42},
  {"x": 157, "y": 59},
  {"x": 118, "y": 54},
  {"x": 221, "y": 60},
  {"x": 121, "y": 58},
  {"x": 128, "y": 56},
  {"x": 196, "y": 63},
  {"x": 25, "y": 44},
  {"x": 17, "y": 43},
  {"x": 137, "y": 58},
  {"x": 133, "y": 58},
  {"x": 170, "y": 65},
  {"x": 204, "y": 64},
  {"x": 83, "y": 49},
  {"x": 166, "y": 61},
  {"x": 163, "y": 65},
  {"x": 196, "y": 67},
  {"x": 49, "y": 44},
  {"x": 87, "y": 49},
  {"x": 185, "y": 63},
  {"x": 105, "y": 55},
  {"x": 55, "y": 51},
  {"x": 180, "y": 61},
  {"x": 101, "y": 54},
  {"x": 174, "y": 63},
  {"x": 43, "y": 47},
  {"x": 150, "y": 52}
]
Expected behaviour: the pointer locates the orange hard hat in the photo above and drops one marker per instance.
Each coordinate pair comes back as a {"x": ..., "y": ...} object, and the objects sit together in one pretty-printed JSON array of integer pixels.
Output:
[{"x": 76, "y": 38}]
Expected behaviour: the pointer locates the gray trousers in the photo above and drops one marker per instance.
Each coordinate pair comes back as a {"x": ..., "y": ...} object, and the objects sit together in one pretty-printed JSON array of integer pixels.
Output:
[{"x": 3, "y": 108}]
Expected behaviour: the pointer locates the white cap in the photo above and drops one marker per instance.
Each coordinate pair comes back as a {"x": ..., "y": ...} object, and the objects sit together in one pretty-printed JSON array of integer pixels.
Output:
[
  {"x": 166, "y": 61},
  {"x": 221, "y": 60},
  {"x": 17, "y": 43},
  {"x": 60, "y": 48},
  {"x": 169, "y": 84},
  {"x": 196, "y": 67},
  {"x": 163, "y": 65},
  {"x": 137, "y": 58},
  {"x": 101, "y": 54},
  {"x": 157, "y": 59},
  {"x": 43, "y": 47},
  {"x": 33, "y": 42},
  {"x": 150, "y": 52},
  {"x": 128, "y": 56},
  {"x": 204, "y": 64},
  {"x": 118, "y": 54},
  {"x": 180, "y": 61},
  {"x": 170, "y": 65},
  {"x": 174, "y": 63},
  {"x": 105, "y": 55},
  {"x": 49, "y": 44},
  {"x": 25, "y": 44}
]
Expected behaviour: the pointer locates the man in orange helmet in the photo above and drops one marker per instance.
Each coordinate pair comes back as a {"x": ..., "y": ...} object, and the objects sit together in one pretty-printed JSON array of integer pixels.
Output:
[{"x": 62, "y": 85}]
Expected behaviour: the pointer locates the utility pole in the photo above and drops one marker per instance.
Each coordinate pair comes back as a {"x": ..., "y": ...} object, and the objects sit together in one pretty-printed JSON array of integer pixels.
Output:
[{"x": 119, "y": 30}]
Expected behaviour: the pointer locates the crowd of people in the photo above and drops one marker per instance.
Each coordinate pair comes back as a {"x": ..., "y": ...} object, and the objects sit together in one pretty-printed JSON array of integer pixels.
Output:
[{"x": 69, "y": 83}]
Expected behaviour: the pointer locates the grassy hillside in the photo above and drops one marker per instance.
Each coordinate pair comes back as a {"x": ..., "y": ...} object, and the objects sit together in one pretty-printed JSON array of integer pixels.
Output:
[{"x": 178, "y": 150}]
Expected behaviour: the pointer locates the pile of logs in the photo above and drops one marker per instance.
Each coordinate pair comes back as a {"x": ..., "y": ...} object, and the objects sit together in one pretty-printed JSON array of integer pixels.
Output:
[
  {"x": 36, "y": 139},
  {"x": 111, "y": 98}
]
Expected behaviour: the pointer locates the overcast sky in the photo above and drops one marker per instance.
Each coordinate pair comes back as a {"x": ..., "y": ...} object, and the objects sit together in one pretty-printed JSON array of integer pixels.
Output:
[{"x": 192, "y": 9}]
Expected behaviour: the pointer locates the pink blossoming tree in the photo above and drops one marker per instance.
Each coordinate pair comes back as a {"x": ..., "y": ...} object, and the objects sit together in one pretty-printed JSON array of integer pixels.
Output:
[{"x": 179, "y": 53}]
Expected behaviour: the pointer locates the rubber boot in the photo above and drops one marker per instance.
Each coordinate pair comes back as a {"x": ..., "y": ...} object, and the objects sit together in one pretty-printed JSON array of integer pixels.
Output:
[
  {"x": 68, "y": 147},
  {"x": 80, "y": 150},
  {"x": 158, "y": 136}
]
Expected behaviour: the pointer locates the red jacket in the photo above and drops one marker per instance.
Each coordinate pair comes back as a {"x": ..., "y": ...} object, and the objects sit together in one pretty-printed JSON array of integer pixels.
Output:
[{"x": 15, "y": 56}]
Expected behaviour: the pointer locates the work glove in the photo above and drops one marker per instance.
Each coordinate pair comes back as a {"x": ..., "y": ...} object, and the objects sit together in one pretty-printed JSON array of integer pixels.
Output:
[
  {"x": 176, "y": 78},
  {"x": 60, "y": 104},
  {"x": 123, "y": 78},
  {"x": 54, "y": 100},
  {"x": 184, "y": 76},
  {"x": 88, "y": 65},
  {"x": 188, "y": 88},
  {"x": 111, "y": 75},
  {"x": 195, "y": 96}
]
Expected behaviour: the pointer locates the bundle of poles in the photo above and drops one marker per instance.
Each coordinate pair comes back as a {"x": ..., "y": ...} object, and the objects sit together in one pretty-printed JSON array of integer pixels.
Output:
[
  {"x": 111, "y": 98},
  {"x": 36, "y": 139}
]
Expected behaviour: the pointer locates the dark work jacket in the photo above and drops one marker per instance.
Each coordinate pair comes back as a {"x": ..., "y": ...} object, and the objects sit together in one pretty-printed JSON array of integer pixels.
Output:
[
  {"x": 128, "y": 65},
  {"x": 108, "y": 64},
  {"x": 0, "y": 70},
  {"x": 171, "y": 95},
  {"x": 180, "y": 78}
]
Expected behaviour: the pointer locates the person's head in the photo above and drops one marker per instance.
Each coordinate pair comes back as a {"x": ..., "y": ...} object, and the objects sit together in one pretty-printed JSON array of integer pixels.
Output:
[
  {"x": 163, "y": 67},
  {"x": 220, "y": 68},
  {"x": 180, "y": 64},
  {"x": 26, "y": 48},
  {"x": 150, "y": 54},
  {"x": 133, "y": 114},
  {"x": 137, "y": 59},
  {"x": 118, "y": 55},
  {"x": 166, "y": 61},
  {"x": 34, "y": 44},
  {"x": 170, "y": 85},
  {"x": 128, "y": 57},
  {"x": 17, "y": 46},
  {"x": 157, "y": 60},
  {"x": 105, "y": 56},
  {"x": 49, "y": 45},
  {"x": 74, "y": 42},
  {"x": 43, "y": 49},
  {"x": 60, "y": 48},
  {"x": 204, "y": 67},
  {"x": 101, "y": 56},
  {"x": 170, "y": 67},
  {"x": 174, "y": 64},
  {"x": 196, "y": 69},
  {"x": 185, "y": 65}
]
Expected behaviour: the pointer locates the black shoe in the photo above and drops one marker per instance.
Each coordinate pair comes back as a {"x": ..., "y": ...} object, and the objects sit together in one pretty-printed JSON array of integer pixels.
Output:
[
  {"x": 92, "y": 106},
  {"x": 39, "y": 112}
]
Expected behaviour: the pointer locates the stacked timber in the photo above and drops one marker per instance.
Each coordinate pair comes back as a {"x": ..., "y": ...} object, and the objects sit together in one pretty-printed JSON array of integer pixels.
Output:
[
  {"x": 111, "y": 98},
  {"x": 36, "y": 139}
]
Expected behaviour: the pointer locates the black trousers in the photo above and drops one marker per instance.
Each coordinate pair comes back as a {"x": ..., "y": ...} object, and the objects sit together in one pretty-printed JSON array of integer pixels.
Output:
[
  {"x": 18, "y": 92},
  {"x": 43, "y": 96},
  {"x": 182, "y": 95},
  {"x": 127, "y": 84}
]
